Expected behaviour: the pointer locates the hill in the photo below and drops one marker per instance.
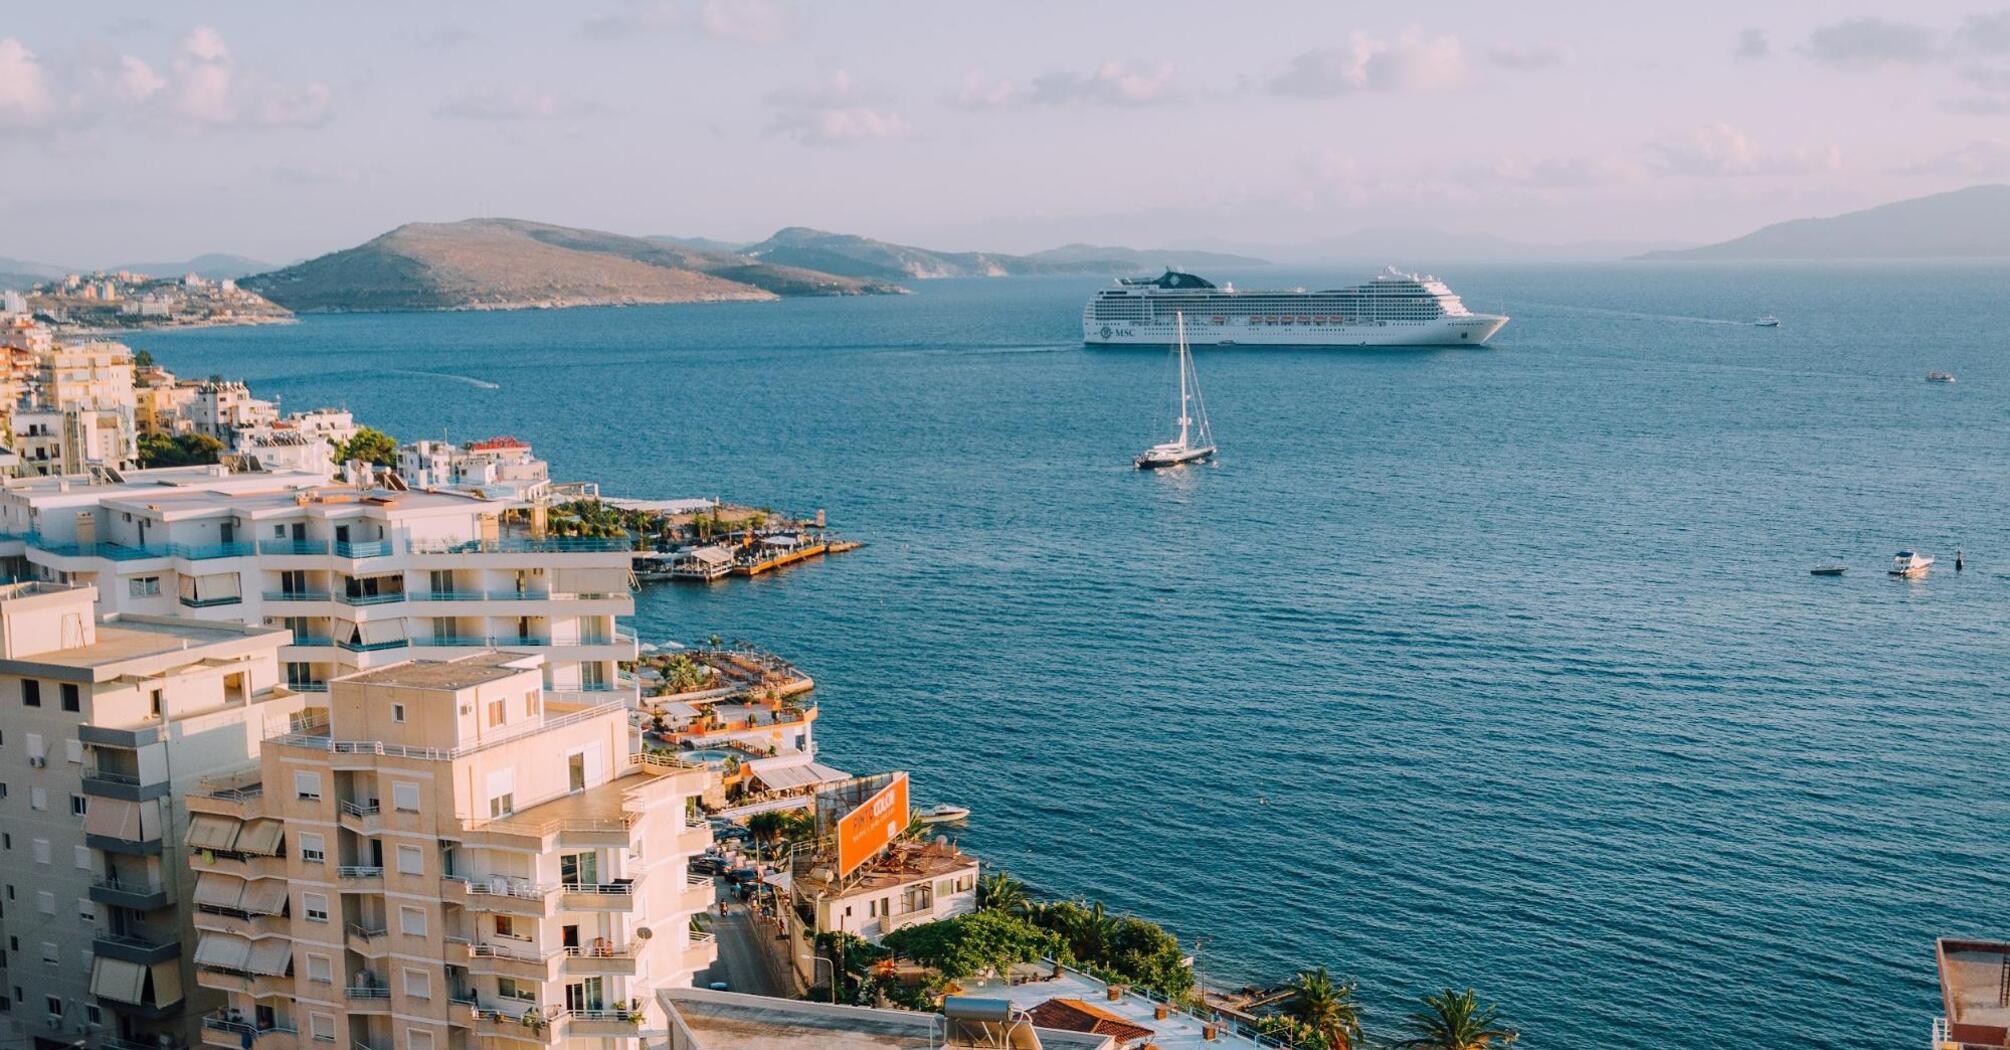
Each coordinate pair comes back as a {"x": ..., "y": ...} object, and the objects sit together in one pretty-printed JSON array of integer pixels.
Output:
[
  {"x": 499, "y": 264},
  {"x": 215, "y": 266},
  {"x": 1972, "y": 223},
  {"x": 864, "y": 257},
  {"x": 18, "y": 274}
]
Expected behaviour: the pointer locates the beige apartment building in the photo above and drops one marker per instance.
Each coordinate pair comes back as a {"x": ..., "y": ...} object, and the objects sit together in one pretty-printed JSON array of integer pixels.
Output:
[
  {"x": 462, "y": 860},
  {"x": 103, "y": 724}
]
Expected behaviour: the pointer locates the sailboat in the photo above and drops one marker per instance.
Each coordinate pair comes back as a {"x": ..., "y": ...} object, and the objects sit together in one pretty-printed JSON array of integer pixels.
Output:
[{"x": 1196, "y": 441}]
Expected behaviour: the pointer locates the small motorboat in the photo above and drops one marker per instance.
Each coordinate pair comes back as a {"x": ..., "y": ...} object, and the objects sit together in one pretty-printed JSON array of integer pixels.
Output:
[
  {"x": 1910, "y": 563},
  {"x": 1768, "y": 321},
  {"x": 1828, "y": 570},
  {"x": 942, "y": 813},
  {"x": 1940, "y": 377}
]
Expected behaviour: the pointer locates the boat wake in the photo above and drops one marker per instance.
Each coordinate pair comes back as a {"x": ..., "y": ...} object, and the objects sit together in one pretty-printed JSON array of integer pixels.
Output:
[
  {"x": 469, "y": 380},
  {"x": 1636, "y": 316}
]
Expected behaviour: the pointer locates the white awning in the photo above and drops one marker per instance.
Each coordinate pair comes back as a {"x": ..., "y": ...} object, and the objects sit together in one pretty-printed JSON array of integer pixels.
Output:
[
  {"x": 708, "y": 555},
  {"x": 222, "y": 951},
  {"x": 261, "y": 837},
  {"x": 270, "y": 956},
  {"x": 219, "y": 891},
  {"x": 167, "y": 982},
  {"x": 114, "y": 818},
  {"x": 265, "y": 897},
  {"x": 209, "y": 831},
  {"x": 804, "y": 775},
  {"x": 118, "y": 980}
]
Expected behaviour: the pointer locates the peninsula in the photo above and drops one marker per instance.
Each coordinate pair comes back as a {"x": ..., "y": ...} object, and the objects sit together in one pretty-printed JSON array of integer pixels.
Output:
[{"x": 1972, "y": 223}]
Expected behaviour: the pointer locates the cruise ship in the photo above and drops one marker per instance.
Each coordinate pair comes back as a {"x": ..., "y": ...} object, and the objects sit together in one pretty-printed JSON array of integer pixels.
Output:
[{"x": 1394, "y": 309}]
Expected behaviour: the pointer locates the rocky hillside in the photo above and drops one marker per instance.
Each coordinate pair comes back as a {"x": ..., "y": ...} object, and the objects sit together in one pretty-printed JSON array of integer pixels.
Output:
[
  {"x": 1973, "y": 223},
  {"x": 500, "y": 264}
]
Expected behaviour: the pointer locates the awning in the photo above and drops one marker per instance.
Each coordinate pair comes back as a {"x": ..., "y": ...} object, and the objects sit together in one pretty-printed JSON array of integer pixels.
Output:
[
  {"x": 167, "y": 982},
  {"x": 377, "y": 632},
  {"x": 590, "y": 581},
  {"x": 222, "y": 951},
  {"x": 804, "y": 775},
  {"x": 265, "y": 897},
  {"x": 114, "y": 818},
  {"x": 219, "y": 891},
  {"x": 209, "y": 831},
  {"x": 118, "y": 980},
  {"x": 261, "y": 837},
  {"x": 270, "y": 956}
]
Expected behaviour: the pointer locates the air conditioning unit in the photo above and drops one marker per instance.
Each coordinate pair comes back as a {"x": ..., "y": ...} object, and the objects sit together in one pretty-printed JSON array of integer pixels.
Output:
[{"x": 38, "y": 761}]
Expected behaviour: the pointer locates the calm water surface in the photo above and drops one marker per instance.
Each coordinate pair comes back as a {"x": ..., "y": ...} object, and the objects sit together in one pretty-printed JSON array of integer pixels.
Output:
[{"x": 1498, "y": 667}]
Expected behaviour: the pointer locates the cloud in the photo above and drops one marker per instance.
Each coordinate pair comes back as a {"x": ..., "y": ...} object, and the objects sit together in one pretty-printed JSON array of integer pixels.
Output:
[
  {"x": 1752, "y": 45},
  {"x": 137, "y": 81},
  {"x": 209, "y": 89},
  {"x": 1868, "y": 43},
  {"x": 1722, "y": 150},
  {"x": 834, "y": 112},
  {"x": 1558, "y": 172},
  {"x": 981, "y": 92},
  {"x": 1536, "y": 56},
  {"x": 25, "y": 99},
  {"x": 520, "y": 104},
  {"x": 447, "y": 37},
  {"x": 1978, "y": 105},
  {"x": 1112, "y": 83},
  {"x": 1987, "y": 34},
  {"x": 746, "y": 21},
  {"x": 1976, "y": 160},
  {"x": 1408, "y": 64}
]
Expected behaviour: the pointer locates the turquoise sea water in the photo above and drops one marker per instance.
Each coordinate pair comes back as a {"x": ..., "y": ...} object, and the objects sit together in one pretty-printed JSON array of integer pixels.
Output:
[{"x": 1496, "y": 667}]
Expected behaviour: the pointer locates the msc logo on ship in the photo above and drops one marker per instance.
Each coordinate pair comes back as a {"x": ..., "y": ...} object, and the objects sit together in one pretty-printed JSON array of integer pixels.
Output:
[{"x": 1105, "y": 333}]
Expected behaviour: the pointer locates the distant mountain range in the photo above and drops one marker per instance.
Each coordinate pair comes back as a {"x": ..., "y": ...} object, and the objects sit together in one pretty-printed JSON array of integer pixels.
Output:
[
  {"x": 216, "y": 266},
  {"x": 1972, "y": 223},
  {"x": 512, "y": 263},
  {"x": 863, "y": 257},
  {"x": 1423, "y": 247}
]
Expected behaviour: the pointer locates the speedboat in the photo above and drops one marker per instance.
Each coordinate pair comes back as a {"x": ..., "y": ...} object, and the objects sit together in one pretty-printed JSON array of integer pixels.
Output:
[
  {"x": 1940, "y": 377},
  {"x": 943, "y": 813},
  {"x": 1910, "y": 563},
  {"x": 1768, "y": 321}
]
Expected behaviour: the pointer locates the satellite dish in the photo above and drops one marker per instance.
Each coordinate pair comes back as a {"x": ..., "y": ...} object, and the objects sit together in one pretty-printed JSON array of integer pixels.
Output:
[{"x": 643, "y": 933}]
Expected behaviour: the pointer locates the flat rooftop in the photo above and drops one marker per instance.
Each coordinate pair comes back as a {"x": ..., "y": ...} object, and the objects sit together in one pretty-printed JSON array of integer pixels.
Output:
[
  {"x": 444, "y": 675},
  {"x": 904, "y": 862},
  {"x": 128, "y": 640},
  {"x": 1177, "y": 1032},
  {"x": 1972, "y": 977},
  {"x": 732, "y": 1021},
  {"x": 283, "y": 495}
]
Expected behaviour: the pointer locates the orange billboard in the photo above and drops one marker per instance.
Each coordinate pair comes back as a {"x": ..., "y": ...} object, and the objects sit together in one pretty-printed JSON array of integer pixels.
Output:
[{"x": 865, "y": 831}]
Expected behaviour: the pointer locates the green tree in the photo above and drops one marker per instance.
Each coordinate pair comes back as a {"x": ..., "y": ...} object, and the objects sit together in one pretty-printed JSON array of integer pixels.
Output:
[
  {"x": 1452, "y": 1020},
  {"x": 1327, "y": 1007},
  {"x": 767, "y": 828},
  {"x": 181, "y": 450},
  {"x": 971, "y": 944},
  {"x": 371, "y": 446},
  {"x": 1001, "y": 892},
  {"x": 142, "y": 359},
  {"x": 1287, "y": 1029}
]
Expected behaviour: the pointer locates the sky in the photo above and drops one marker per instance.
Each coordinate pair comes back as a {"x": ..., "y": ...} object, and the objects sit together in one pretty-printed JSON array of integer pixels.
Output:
[{"x": 156, "y": 131}]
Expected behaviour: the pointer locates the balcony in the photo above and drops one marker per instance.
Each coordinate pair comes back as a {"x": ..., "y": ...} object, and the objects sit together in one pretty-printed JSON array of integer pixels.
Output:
[
  {"x": 699, "y": 894},
  {"x": 617, "y": 1024},
  {"x": 218, "y": 1031},
  {"x": 615, "y": 960},
  {"x": 524, "y": 1023},
  {"x": 366, "y": 941},
  {"x": 360, "y": 817},
  {"x": 367, "y": 999},
  {"x": 361, "y": 878},
  {"x": 506, "y": 896},
  {"x": 359, "y": 551},
  {"x": 701, "y": 950},
  {"x": 135, "y": 949},
  {"x": 693, "y": 839},
  {"x": 126, "y": 739},
  {"x": 108, "y": 551},
  {"x": 297, "y": 596},
  {"x": 525, "y": 545},
  {"x": 211, "y": 603},
  {"x": 206, "y": 551},
  {"x": 231, "y": 796},
  {"x": 373, "y": 647},
  {"x": 603, "y": 896},
  {"x": 387, "y": 598},
  {"x": 105, "y": 783},
  {"x": 136, "y": 894},
  {"x": 312, "y": 641},
  {"x": 293, "y": 547},
  {"x": 519, "y": 962}
]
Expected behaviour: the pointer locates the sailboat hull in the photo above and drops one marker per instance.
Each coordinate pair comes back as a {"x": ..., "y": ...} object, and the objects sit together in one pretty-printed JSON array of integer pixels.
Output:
[{"x": 1155, "y": 460}]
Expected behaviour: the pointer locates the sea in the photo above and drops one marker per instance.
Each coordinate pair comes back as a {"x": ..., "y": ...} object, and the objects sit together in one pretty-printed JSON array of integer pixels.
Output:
[{"x": 1498, "y": 668}]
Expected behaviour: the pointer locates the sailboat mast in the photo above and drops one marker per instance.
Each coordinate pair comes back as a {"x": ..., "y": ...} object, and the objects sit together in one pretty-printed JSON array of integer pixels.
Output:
[{"x": 1180, "y": 317}]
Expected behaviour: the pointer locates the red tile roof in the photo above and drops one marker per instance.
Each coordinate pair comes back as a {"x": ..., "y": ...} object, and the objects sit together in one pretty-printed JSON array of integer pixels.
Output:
[{"x": 1074, "y": 1015}]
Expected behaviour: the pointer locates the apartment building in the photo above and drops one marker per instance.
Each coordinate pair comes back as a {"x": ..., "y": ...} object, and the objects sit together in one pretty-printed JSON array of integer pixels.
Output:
[
  {"x": 465, "y": 860},
  {"x": 497, "y": 466},
  {"x": 105, "y": 724},
  {"x": 361, "y": 577}
]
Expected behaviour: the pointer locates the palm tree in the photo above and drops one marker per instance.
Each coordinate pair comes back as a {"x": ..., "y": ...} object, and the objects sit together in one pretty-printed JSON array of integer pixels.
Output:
[
  {"x": 1001, "y": 892},
  {"x": 1456, "y": 1021},
  {"x": 1327, "y": 1007},
  {"x": 1093, "y": 933}
]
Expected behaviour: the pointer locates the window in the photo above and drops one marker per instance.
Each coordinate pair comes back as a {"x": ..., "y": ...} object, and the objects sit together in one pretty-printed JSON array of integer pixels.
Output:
[
  {"x": 73, "y": 750},
  {"x": 502, "y": 792},
  {"x": 418, "y": 985},
  {"x": 398, "y": 713},
  {"x": 315, "y": 905},
  {"x": 82, "y": 857},
  {"x": 55, "y": 1006},
  {"x": 92, "y": 1015},
  {"x": 497, "y": 714},
  {"x": 38, "y": 798},
  {"x": 508, "y": 988},
  {"x": 41, "y": 850},
  {"x": 499, "y": 806},
  {"x": 321, "y": 1026},
  {"x": 412, "y": 921},
  {"x": 530, "y": 703},
  {"x": 45, "y": 902},
  {"x": 143, "y": 586},
  {"x": 411, "y": 860},
  {"x": 307, "y": 786},
  {"x": 86, "y": 910},
  {"x": 405, "y": 798},
  {"x": 418, "y": 1039},
  {"x": 71, "y": 702},
  {"x": 505, "y": 926},
  {"x": 78, "y": 803},
  {"x": 312, "y": 848},
  {"x": 51, "y": 954},
  {"x": 319, "y": 969},
  {"x": 31, "y": 693}
]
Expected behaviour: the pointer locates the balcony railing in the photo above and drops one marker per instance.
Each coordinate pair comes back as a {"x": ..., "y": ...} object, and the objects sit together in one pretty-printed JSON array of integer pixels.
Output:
[
  {"x": 364, "y": 932},
  {"x": 208, "y": 603},
  {"x": 311, "y": 640},
  {"x": 524, "y": 545},
  {"x": 360, "y": 871},
  {"x": 110, "y": 777},
  {"x": 297, "y": 596},
  {"x": 513, "y": 596},
  {"x": 319, "y": 739},
  {"x": 203, "y": 551},
  {"x": 610, "y": 889},
  {"x": 386, "y": 598},
  {"x": 366, "y": 991},
  {"x": 358, "y": 809},
  {"x": 359, "y": 646},
  {"x": 111, "y": 551},
  {"x": 371, "y": 549},
  {"x": 242, "y": 1028}
]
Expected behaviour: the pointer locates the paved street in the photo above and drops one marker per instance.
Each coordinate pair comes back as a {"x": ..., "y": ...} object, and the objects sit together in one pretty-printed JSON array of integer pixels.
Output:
[{"x": 741, "y": 964}]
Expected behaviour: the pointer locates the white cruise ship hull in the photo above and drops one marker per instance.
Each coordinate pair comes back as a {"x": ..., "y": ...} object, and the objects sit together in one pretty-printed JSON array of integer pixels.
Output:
[{"x": 1458, "y": 330}]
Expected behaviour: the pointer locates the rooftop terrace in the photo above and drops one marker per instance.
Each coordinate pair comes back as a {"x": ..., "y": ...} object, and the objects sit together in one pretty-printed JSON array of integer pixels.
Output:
[
  {"x": 444, "y": 675},
  {"x": 1975, "y": 992}
]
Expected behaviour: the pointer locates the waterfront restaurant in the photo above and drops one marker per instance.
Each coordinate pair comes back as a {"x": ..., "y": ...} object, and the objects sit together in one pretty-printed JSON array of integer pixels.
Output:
[{"x": 912, "y": 883}]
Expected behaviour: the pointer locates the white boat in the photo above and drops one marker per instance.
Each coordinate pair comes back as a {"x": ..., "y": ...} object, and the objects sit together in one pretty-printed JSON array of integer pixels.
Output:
[
  {"x": 1196, "y": 439},
  {"x": 942, "y": 813},
  {"x": 1910, "y": 563},
  {"x": 1393, "y": 309},
  {"x": 1940, "y": 377},
  {"x": 1768, "y": 321}
]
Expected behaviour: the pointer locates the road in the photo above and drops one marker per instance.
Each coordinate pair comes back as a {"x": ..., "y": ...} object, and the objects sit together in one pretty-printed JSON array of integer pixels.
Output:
[{"x": 741, "y": 963}]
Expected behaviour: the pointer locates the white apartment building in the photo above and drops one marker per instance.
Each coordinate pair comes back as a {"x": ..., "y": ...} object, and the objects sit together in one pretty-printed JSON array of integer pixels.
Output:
[
  {"x": 500, "y": 467},
  {"x": 81, "y": 412},
  {"x": 222, "y": 407},
  {"x": 360, "y": 577},
  {"x": 464, "y": 861},
  {"x": 102, "y": 727}
]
